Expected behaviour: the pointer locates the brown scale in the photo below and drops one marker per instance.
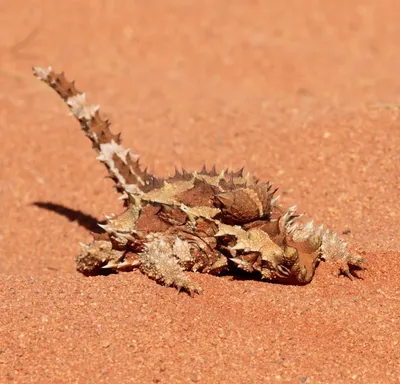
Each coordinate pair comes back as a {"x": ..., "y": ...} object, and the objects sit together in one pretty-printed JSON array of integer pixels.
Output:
[
  {"x": 149, "y": 221},
  {"x": 270, "y": 227},
  {"x": 172, "y": 216},
  {"x": 245, "y": 204},
  {"x": 206, "y": 227},
  {"x": 201, "y": 194}
]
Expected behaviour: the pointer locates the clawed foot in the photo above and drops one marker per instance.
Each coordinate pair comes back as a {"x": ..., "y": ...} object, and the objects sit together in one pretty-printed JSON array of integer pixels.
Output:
[
  {"x": 334, "y": 250},
  {"x": 349, "y": 265},
  {"x": 191, "y": 289},
  {"x": 350, "y": 270}
]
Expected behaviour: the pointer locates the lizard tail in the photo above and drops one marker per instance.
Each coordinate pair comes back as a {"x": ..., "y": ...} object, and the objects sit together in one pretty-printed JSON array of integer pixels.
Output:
[{"x": 123, "y": 167}]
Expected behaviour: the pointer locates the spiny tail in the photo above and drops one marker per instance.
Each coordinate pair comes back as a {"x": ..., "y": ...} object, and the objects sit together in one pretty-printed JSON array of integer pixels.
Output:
[{"x": 123, "y": 167}]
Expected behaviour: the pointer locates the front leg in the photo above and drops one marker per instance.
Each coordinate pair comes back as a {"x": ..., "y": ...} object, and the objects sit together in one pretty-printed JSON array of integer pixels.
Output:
[
  {"x": 159, "y": 261},
  {"x": 335, "y": 250},
  {"x": 308, "y": 239}
]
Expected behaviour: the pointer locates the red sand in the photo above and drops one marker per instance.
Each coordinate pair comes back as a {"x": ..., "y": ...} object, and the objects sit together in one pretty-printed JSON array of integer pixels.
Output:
[{"x": 306, "y": 96}]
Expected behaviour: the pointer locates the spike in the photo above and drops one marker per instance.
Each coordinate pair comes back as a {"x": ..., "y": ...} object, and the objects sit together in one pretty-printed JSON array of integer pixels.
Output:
[
  {"x": 177, "y": 173},
  {"x": 127, "y": 236},
  {"x": 249, "y": 179},
  {"x": 121, "y": 265},
  {"x": 124, "y": 196},
  {"x": 244, "y": 265},
  {"x": 239, "y": 245},
  {"x": 107, "y": 228},
  {"x": 292, "y": 228},
  {"x": 309, "y": 225},
  {"x": 220, "y": 233},
  {"x": 275, "y": 199},
  {"x": 110, "y": 264},
  {"x": 213, "y": 171},
  {"x": 123, "y": 153},
  {"x": 239, "y": 173},
  {"x": 299, "y": 216}
]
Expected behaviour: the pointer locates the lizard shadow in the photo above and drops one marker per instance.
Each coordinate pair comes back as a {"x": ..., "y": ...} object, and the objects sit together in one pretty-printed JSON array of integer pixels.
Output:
[{"x": 83, "y": 219}]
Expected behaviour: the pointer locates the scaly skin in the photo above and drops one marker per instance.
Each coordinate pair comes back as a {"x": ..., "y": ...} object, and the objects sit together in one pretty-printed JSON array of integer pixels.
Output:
[{"x": 205, "y": 221}]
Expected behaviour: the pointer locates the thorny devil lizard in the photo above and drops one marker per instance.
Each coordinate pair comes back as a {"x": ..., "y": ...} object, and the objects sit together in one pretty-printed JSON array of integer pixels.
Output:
[{"x": 207, "y": 221}]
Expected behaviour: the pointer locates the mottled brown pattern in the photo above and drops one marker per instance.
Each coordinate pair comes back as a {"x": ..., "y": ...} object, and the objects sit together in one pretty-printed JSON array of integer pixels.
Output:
[{"x": 166, "y": 225}]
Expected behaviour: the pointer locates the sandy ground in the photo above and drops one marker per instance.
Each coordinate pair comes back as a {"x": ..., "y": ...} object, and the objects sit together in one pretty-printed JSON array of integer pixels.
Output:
[{"x": 302, "y": 93}]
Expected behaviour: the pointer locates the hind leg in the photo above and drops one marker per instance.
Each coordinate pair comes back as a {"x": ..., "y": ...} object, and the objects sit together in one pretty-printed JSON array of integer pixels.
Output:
[{"x": 160, "y": 262}]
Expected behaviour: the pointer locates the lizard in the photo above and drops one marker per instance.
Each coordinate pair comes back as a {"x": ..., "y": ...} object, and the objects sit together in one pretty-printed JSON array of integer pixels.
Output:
[{"x": 204, "y": 221}]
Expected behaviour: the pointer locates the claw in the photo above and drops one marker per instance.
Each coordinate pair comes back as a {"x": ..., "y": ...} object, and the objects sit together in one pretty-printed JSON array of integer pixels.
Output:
[
  {"x": 106, "y": 227},
  {"x": 346, "y": 271},
  {"x": 275, "y": 199}
]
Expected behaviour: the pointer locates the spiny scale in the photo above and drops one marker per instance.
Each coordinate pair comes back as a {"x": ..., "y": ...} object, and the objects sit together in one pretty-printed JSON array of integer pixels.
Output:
[{"x": 206, "y": 221}]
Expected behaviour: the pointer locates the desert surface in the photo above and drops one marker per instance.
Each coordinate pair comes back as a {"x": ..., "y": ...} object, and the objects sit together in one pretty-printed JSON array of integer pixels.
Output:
[{"x": 305, "y": 94}]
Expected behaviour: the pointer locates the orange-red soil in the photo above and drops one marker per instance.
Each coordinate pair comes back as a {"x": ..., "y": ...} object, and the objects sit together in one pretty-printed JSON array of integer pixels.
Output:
[{"x": 302, "y": 93}]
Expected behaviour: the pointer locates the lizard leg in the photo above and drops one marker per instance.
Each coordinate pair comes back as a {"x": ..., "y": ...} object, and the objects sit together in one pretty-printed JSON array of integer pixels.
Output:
[
  {"x": 160, "y": 262},
  {"x": 335, "y": 250},
  {"x": 308, "y": 239}
]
